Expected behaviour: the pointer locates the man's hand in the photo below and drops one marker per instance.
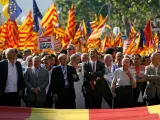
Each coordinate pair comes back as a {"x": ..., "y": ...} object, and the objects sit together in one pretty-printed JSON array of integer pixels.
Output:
[
  {"x": 98, "y": 78},
  {"x": 129, "y": 74},
  {"x": 55, "y": 97},
  {"x": 35, "y": 90}
]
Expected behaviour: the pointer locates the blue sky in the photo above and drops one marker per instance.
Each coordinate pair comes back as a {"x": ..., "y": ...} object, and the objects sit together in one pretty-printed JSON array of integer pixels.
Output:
[{"x": 26, "y": 5}]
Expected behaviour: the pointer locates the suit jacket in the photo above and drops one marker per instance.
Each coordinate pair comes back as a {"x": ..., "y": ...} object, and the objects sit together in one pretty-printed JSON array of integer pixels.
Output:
[
  {"x": 4, "y": 75},
  {"x": 58, "y": 84},
  {"x": 87, "y": 67},
  {"x": 32, "y": 81},
  {"x": 153, "y": 82}
]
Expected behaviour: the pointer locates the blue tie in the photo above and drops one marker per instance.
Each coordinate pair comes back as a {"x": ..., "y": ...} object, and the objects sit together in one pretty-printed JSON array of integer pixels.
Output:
[{"x": 65, "y": 75}]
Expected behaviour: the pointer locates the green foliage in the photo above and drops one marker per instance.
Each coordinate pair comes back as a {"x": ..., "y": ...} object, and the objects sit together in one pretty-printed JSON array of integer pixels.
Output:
[{"x": 122, "y": 12}]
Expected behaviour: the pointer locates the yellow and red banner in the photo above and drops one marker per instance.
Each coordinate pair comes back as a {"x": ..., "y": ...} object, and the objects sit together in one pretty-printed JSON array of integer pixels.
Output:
[{"x": 139, "y": 113}]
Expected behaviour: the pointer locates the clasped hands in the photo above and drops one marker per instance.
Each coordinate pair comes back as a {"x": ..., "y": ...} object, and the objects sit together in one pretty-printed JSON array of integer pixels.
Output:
[
  {"x": 35, "y": 90},
  {"x": 94, "y": 76}
]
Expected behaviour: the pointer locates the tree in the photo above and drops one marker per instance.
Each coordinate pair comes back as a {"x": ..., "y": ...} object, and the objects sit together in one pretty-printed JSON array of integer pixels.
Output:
[{"x": 122, "y": 12}]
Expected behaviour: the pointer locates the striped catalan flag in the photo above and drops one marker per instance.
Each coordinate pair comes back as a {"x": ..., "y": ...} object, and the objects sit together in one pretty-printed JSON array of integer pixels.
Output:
[
  {"x": 98, "y": 31},
  {"x": 70, "y": 29},
  {"x": 94, "y": 24},
  {"x": 71, "y": 24},
  {"x": 60, "y": 32},
  {"x": 13, "y": 34},
  {"x": 139, "y": 113},
  {"x": 50, "y": 16},
  {"x": 4, "y": 31},
  {"x": 49, "y": 30}
]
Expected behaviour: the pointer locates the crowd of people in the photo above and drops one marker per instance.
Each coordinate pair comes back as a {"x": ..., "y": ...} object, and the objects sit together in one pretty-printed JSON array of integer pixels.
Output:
[{"x": 72, "y": 79}]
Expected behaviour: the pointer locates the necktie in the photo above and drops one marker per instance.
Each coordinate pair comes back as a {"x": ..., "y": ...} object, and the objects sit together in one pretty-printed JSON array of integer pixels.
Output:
[
  {"x": 92, "y": 81},
  {"x": 36, "y": 72},
  {"x": 65, "y": 76}
]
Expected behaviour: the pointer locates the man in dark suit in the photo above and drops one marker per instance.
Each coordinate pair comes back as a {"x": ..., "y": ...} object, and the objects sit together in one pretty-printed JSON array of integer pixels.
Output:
[
  {"x": 11, "y": 80},
  {"x": 62, "y": 84},
  {"x": 94, "y": 71}
]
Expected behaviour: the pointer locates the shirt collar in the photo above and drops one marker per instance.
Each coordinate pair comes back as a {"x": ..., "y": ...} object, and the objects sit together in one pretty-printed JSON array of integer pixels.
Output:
[{"x": 11, "y": 63}]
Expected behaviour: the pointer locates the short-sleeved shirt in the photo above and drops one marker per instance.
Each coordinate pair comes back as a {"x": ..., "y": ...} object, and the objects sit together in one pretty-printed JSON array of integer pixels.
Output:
[{"x": 121, "y": 78}]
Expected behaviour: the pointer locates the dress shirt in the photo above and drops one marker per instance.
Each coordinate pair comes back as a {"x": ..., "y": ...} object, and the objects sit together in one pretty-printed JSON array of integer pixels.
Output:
[
  {"x": 92, "y": 64},
  {"x": 12, "y": 79},
  {"x": 121, "y": 78}
]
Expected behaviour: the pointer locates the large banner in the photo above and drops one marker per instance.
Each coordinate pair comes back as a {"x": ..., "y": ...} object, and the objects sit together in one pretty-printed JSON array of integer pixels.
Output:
[{"x": 139, "y": 113}]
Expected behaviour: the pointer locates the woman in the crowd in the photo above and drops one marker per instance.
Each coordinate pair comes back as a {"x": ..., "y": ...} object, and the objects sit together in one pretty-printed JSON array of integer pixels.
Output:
[
  {"x": 146, "y": 60},
  {"x": 124, "y": 81},
  {"x": 74, "y": 61},
  {"x": 118, "y": 61},
  {"x": 138, "y": 92}
]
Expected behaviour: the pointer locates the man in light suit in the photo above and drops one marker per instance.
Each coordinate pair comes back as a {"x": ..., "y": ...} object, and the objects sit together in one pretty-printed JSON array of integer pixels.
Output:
[
  {"x": 11, "y": 80},
  {"x": 62, "y": 84},
  {"x": 94, "y": 71},
  {"x": 36, "y": 80},
  {"x": 152, "y": 75}
]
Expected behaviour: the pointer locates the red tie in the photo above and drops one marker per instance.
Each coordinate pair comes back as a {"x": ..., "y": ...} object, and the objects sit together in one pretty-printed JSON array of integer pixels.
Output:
[{"x": 92, "y": 81}]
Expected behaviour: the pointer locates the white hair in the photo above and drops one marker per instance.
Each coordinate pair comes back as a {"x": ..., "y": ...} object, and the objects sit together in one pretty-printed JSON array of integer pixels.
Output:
[
  {"x": 36, "y": 58},
  {"x": 125, "y": 59},
  {"x": 29, "y": 58},
  {"x": 61, "y": 55},
  {"x": 108, "y": 56},
  {"x": 71, "y": 46}
]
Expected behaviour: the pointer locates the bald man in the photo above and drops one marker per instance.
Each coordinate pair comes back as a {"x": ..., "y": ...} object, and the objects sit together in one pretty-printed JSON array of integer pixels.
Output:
[
  {"x": 152, "y": 75},
  {"x": 124, "y": 80},
  {"x": 62, "y": 84}
]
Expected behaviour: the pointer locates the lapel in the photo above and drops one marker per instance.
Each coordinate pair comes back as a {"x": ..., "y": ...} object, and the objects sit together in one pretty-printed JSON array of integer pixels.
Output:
[
  {"x": 90, "y": 67},
  {"x": 153, "y": 71},
  {"x": 6, "y": 69},
  {"x": 17, "y": 69},
  {"x": 60, "y": 71},
  {"x": 68, "y": 71},
  {"x": 33, "y": 72},
  {"x": 97, "y": 65}
]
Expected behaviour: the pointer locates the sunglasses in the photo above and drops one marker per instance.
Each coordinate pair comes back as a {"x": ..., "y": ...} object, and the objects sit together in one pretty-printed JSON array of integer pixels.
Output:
[{"x": 69, "y": 49}]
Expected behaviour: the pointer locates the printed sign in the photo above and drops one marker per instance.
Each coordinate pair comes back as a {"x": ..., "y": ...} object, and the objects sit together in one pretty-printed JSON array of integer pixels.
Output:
[{"x": 45, "y": 42}]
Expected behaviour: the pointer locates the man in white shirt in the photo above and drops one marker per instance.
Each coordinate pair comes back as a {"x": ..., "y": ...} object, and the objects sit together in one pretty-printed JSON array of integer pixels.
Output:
[{"x": 12, "y": 82}]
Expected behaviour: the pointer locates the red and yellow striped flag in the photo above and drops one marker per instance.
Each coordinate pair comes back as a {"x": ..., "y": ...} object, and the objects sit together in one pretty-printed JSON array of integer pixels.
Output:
[
  {"x": 98, "y": 31},
  {"x": 94, "y": 24},
  {"x": 70, "y": 29},
  {"x": 50, "y": 16}
]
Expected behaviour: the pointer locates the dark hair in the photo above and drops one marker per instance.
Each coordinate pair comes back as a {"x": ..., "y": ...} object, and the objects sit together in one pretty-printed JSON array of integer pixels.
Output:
[
  {"x": 27, "y": 51},
  {"x": 109, "y": 50},
  {"x": 143, "y": 58},
  {"x": 137, "y": 55},
  {"x": 44, "y": 54},
  {"x": 64, "y": 51}
]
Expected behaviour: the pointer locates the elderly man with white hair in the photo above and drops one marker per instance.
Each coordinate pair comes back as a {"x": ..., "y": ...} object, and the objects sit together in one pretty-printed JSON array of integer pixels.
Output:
[
  {"x": 152, "y": 75},
  {"x": 62, "y": 84},
  {"x": 36, "y": 80},
  {"x": 124, "y": 80},
  {"x": 11, "y": 80}
]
